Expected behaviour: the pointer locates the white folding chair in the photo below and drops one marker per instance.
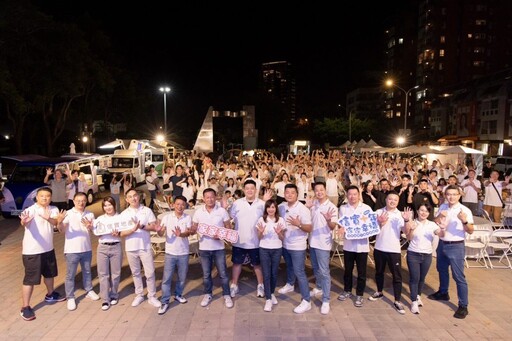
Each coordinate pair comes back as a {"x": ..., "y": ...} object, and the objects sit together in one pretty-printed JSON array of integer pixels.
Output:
[
  {"x": 156, "y": 245},
  {"x": 500, "y": 242},
  {"x": 193, "y": 242},
  {"x": 337, "y": 250},
  {"x": 476, "y": 248},
  {"x": 495, "y": 225}
]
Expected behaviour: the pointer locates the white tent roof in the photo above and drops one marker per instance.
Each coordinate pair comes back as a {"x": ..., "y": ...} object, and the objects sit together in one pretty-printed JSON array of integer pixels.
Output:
[
  {"x": 458, "y": 150},
  {"x": 371, "y": 143},
  {"x": 361, "y": 143},
  {"x": 346, "y": 144}
]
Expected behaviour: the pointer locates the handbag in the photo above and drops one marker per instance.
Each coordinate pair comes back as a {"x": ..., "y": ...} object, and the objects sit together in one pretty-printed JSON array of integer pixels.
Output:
[
  {"x": 165, "y": 186},
  {"x": 499, "y": 195}
]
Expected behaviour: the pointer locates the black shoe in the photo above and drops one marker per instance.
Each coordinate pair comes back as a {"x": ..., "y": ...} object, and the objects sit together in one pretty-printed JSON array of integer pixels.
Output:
[
  {"x": 461, "y": 313},
  {"x": 439, "y": 296},
  {"x": 27, "y": 313},
  {"x": 54, "y": 297}
]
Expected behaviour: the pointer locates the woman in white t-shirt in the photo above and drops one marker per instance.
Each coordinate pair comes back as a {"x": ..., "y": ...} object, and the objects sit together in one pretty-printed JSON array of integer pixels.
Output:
[
  {"x": 189, "y": 188},
  {"x": 420, "y": 233},
  {"x": 271, "y": 233},
  {"x": 109, "y": 255}
]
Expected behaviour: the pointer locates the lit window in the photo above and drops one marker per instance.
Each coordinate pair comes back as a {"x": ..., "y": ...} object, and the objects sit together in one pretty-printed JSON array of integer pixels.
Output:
[
  {"x": 400, "y": 41},
  {"x": 480, "y": 22},
  {"x": 440, "y": 66},
  {"x": 442, "y": 39},
  {"x": 441, "y": 53},
  {"x": 470, "y": 36}
]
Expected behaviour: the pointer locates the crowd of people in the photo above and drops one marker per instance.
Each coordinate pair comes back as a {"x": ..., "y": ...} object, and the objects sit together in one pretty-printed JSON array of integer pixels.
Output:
[{"x": 279, "y": 207}]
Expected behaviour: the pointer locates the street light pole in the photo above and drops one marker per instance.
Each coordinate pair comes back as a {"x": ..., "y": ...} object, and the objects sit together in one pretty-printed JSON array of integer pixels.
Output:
[
  {"x": 165, "y": 90},
  {"x": 406, "y": 92}
]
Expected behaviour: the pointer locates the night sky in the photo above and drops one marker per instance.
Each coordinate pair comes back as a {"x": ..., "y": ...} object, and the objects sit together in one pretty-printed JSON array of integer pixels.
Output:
[{"x": 211, "y": 54}]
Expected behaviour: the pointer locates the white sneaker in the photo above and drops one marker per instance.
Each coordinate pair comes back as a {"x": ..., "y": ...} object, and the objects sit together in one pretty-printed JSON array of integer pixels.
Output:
[
  {"x": 420, "y": 303},
  {"x": 344, "y": 296},
  {"x": 324, "y": 310},
  {"x": 228, "y": 301},
  {"x": 233, "y": 290},
  {"x": 113, "y": 301},
  {"x": 92, "y": 295},
  {"x": 105, "y": 306},
  {"x": 163, "y": 308},
  {"x": 137, "y": 300},
  {"x": 71, "y": 304},
  {"x": 315, "y": 292},
  {"x": 286, "y": 289},
  {"x": 302, "y": 307},
  {"x": 260, "y": 290},
  {"x": 268, "y": 305},
  {"x": 206, "y": 300},
  {"x": 180, "y": 299},
  {"x": 274, "y": 299},
  {"x": 154, "y": 302},
  {"x": 415, "y": 309}
]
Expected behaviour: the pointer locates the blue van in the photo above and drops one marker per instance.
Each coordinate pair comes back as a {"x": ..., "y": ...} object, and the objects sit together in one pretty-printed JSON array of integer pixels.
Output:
[{"x": 28, "y": 176}]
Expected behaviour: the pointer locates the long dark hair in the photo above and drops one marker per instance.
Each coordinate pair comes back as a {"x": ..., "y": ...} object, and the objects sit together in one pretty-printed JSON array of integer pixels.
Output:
[
  {"x": 111, "y": 201},
  {"x": 269, "y": 203}
]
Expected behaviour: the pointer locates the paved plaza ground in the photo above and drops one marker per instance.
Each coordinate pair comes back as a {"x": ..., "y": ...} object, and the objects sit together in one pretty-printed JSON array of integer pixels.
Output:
[{"x": 490, "y": 308}]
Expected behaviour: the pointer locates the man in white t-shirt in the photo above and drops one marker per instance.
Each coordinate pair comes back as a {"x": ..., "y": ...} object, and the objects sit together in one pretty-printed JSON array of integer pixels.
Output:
[
  {"x": 493, "y": 201},
  {"x": 37, "y": 250},
  {"x": 211, "y": 250},
  {"x": 388, "y": 249},
  {"x": 298, "y": 225},
  {"x": 77, "y": 248},
  {"x": 325, "y": 218},
  {"x": 138, "y": 247},
  {"x": 354, "y": 250},
  {"x": 245, "y": 213},
  {"x": 454, "y": 220},
  {"x": 178, "y": 226},
  {"x": 472, "y": 187}
]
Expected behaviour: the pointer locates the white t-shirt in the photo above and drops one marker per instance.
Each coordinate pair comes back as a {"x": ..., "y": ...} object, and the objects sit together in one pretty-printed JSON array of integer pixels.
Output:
[
  {"x": 388, "y": 240},
  {"x": 303, "y": 188},
  {"x": 423, "y": 237},
  {"x": 216, "y": 217},
  {"x": 492, "y": 198},
  {"x": 245, "y": 216},
  {"x": 455, "y": 229},
  {"x": 294, "y": 237},
  {"x": 321, "y": 236},
  {"x": 176, "y": 246},
  {"x": 38, "y": 237},
  {"x": 331, "y": 186},
  {"x": 140, "y": 239},
  {"x": 115, "y": 188},
  {"x": 77, "y": 238},
  {"x": 355, "y": 245},
  {"x": 150, "y": 184},
  {"x": 471, "y": 195},
  {"x": 279, "y": 188},
  {"x": 270, "y": 238},
  {"x": 106, "y": 219}
]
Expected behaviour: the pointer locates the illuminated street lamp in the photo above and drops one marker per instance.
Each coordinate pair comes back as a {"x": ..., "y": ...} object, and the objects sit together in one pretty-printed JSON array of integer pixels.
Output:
[
  {"x": 390, "y": 83},
  {"x": 84, "y": 141},
  {"x": 165, "y": 90},
  {"x": 160, "y": 138},
  {"x": 400, "y": 140}
]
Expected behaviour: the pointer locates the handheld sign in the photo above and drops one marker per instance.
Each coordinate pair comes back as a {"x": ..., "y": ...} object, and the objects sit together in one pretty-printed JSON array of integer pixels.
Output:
[
  {"x": 118, "y": 223},
  {"x": 218, "y": 232},
  {"x": 358, "y": 226}
]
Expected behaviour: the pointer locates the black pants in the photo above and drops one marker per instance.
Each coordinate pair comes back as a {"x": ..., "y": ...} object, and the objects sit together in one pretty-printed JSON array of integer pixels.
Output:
[
  {"x": 394, "y": 262},
  {"x": 361, "y": 260}
]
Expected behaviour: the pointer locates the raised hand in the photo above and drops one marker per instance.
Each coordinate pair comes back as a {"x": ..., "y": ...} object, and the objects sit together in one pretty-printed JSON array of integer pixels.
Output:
[
  {"x": 279, "y": 228},
  {"x": 115, "y": 233},
  {"x": 293, "y": 221},
  {"x": 462, "y": 216},
  {"x": 260, "y": 227},
  {"x": 329, "y": 214},
  {"x": 407, "y": 213},
  {"x": 268, "y": 194},
  {"x": 177, "y": 231},
  {"x": 87, "y": 222},
  {"x": 382, "y": 219},
  {"x": 136, "y": 222},
  {"x": 46, "y": 214},
  {"x": 25, "y": 218},
  {"x": 49, "y": 171}
]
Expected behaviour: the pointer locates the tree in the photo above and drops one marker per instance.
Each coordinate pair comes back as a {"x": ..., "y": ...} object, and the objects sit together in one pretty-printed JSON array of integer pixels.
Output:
[{"x": 336, "y": 130}]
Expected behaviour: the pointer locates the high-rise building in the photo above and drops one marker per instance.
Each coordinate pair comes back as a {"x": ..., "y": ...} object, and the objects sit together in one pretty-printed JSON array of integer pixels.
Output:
[
  {"x": 454, "y": 41},
  {"x": 278, "y": 81}
]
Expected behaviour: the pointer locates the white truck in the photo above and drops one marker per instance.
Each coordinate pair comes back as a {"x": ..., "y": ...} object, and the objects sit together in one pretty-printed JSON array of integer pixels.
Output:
[{"x": 134, "y": 160}]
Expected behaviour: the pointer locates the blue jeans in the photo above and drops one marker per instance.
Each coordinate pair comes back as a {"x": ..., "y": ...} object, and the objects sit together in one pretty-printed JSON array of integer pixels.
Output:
[
  {"x": 296, "y": 269},
  {"x": 207, "y": 260},
  {"x": 72, "y": 261},
  {"x": 320, "y": 260},
  {"x": 452, "y": 255},
  {"x": 269, "y": 261},
  {"x": 418, "y": 264},
  {"x": 181, "y": 265}
]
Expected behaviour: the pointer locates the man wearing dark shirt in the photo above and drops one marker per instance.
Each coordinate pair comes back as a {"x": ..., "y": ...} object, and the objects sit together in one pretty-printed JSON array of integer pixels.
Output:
[
  {"x": 486, "y": 170},
  {"x": 385, "y": 188},
  {"x": 425, "y": 195},
  {"x": 405, "y": 193}
]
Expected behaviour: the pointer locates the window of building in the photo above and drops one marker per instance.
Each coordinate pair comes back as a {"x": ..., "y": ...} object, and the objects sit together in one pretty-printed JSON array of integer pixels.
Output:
[
  {"x": 480, "y": 22},
  {"x": 400, "y": 41},
  {"x": 440, "y": 66},
  {"x": 442, "y": 40},
  {"x": 441, "y": 53},
  {"x": 398, "y": 114},
  {"x": 478, "y": 63},
  {"x": 470, "y": 36}
]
